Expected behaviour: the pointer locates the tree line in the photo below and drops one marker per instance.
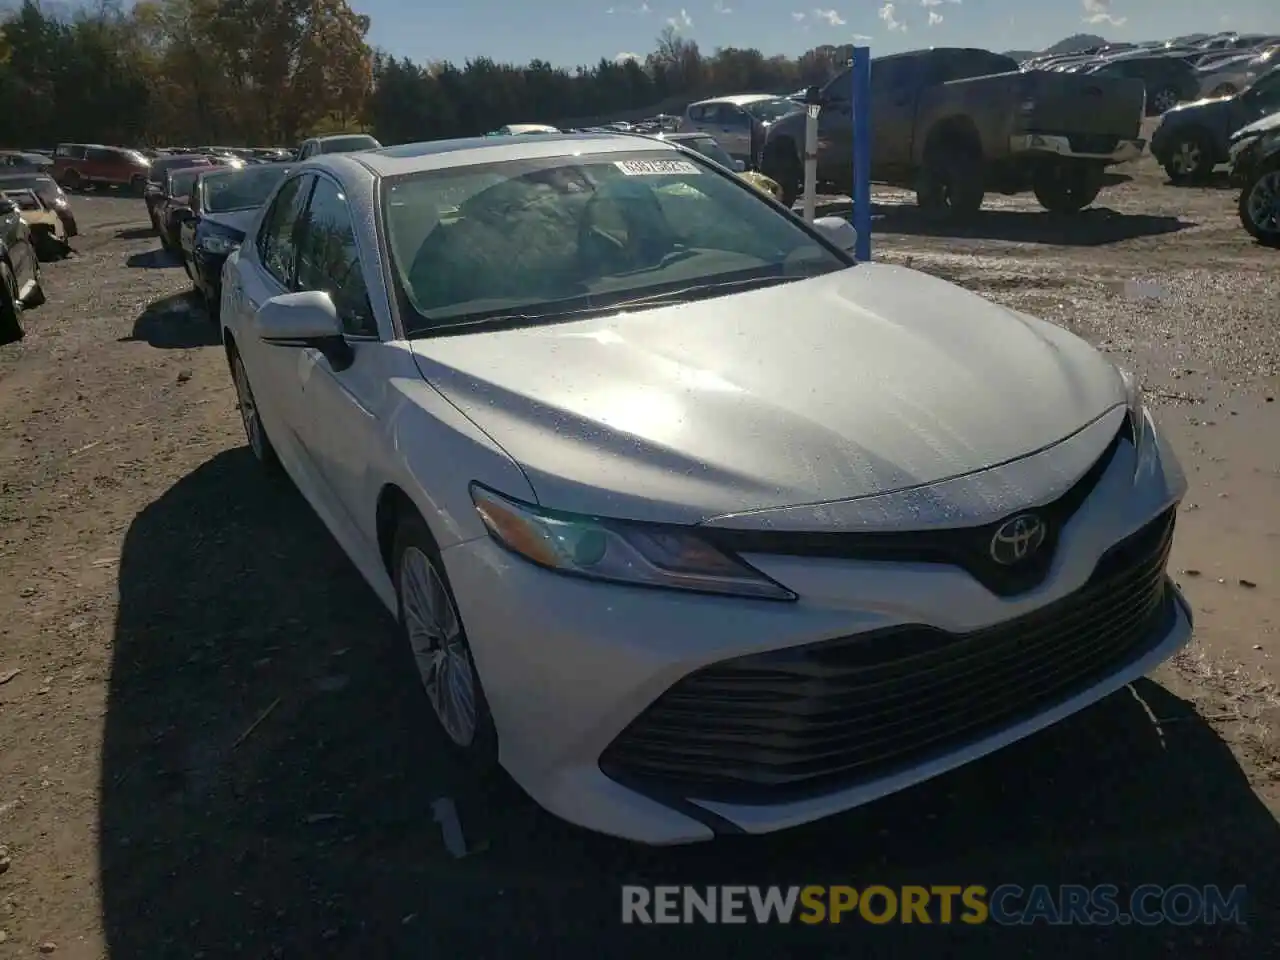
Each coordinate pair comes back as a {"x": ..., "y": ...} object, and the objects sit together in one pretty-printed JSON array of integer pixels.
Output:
[{"x": 268, "y": 72}]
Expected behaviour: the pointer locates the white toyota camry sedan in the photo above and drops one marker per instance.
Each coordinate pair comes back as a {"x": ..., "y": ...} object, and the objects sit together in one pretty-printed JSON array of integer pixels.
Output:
[{"x": 692, "y": 523}]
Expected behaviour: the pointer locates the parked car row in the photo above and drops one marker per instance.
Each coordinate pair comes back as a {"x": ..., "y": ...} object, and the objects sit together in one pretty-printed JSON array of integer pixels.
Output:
[
  {"x": 1255, "y": 168},
  {"x": 1173, "y": 71},
  {"x": 26, "y": 225}
]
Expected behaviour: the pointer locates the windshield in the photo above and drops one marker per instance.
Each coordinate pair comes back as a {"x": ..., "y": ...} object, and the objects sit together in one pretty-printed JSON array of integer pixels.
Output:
[
  {"x": 181, "y": 182},
  {"x": 709, "y": 149},
  {"x": 348, "y": 144},
  {"x": 45, "y": 188},
  {"x": 768, "y": 111},
  {"x": 240, "y": 189},
  {"x": 548, "y": 238}
]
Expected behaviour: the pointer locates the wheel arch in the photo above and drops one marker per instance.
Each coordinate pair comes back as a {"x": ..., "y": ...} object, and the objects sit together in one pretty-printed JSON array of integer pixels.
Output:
[{"x": 393, "y": 505}]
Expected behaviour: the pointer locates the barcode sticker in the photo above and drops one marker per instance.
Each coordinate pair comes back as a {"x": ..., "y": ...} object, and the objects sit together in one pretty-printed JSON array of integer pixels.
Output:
[{"x": 648, "y": 168}]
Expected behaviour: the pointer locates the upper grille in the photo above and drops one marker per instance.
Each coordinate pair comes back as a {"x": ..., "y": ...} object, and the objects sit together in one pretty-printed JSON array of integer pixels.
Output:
[
  {"x": 807, "y": 720},
  {"x": 965, "y": 547}
]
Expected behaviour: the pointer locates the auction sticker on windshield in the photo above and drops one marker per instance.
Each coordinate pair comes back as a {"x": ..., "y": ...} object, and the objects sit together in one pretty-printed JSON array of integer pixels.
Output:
[{"x": 644, "y": 168}]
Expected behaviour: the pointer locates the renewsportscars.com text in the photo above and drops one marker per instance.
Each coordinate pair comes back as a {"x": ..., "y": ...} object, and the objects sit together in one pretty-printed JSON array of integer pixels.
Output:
[{"x": 1006, "y": 905}]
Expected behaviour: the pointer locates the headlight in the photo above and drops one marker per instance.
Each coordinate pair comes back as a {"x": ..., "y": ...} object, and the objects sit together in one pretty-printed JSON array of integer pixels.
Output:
[
  {"x": 1139, "y": 423},
  {"x": 619, "y": 551},
  {"x": 217, "y": 244}
]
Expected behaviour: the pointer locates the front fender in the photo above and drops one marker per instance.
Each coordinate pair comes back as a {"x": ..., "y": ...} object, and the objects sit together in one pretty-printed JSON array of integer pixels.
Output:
[{"x": 436, "y": 453}]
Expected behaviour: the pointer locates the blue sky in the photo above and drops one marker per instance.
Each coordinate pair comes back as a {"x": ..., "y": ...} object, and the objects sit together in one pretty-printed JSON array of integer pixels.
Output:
[{"x": 571, "y": 32}]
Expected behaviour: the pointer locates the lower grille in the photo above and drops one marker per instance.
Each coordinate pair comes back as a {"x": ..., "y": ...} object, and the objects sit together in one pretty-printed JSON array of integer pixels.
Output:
[
  {"x": 1092, "y": 143},
  {"x": 791, "y": 723}
]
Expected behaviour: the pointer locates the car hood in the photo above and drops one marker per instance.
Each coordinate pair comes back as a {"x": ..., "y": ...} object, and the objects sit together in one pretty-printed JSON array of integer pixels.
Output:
[
  {"x": 237, "y": 220},
  {"x": 1269, "y": 122},
  {"x": 866, "y": 381}
]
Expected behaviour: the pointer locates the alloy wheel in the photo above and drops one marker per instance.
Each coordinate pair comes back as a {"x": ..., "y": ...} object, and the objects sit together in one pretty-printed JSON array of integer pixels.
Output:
[
  {"x": 1264, "y": 203},
  {"x": 1165, "y": 100},
  {"x": 1186, "y": 159},
  {"x": 441, "y": 654},
  {"x": 248, "y": 409}
]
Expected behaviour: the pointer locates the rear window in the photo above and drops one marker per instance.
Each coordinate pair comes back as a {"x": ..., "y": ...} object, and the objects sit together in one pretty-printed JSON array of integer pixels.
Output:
[
  {"x": 240, "y": 189},
  {"x": 25, "y": 199},
  {"x": 349, "y": 144}
]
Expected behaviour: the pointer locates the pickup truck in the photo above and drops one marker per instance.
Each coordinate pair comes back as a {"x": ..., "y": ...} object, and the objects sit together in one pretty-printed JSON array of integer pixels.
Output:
[{"x": 953, "y": 123}]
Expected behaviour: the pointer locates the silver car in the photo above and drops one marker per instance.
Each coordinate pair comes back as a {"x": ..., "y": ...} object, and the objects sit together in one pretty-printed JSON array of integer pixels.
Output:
[
  {"x": 731, "y": 120},
  {"x": 689, "y": 521}
]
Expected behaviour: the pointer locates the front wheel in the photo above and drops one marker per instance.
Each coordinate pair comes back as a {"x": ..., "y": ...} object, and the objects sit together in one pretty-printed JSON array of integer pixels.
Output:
[
  {"x": 1162, "y": 101},
  {"x": 437, "y": 640},
  {"x": 10, "y": 313},
  {"x": 254, "y": 431},
  {"x": 951, "y": 185},
  {"x": 1190, "y": 158},
  {"x": 1067, "y": 187},
  {"x": 1259, "y": 207}
]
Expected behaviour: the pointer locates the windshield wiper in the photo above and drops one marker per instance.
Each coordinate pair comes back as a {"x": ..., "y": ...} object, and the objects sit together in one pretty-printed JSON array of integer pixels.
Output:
[{"x": 683, "y": 295}]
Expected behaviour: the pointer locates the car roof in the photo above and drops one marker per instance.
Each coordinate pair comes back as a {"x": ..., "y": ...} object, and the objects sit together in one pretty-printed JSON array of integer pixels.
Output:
[
  {"x": 738, "y": 99},
  {"x": 441, "y": 154}
]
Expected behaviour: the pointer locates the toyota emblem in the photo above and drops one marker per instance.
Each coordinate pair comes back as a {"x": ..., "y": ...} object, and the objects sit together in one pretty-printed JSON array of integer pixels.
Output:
[{"x": 1018, "y": 538}]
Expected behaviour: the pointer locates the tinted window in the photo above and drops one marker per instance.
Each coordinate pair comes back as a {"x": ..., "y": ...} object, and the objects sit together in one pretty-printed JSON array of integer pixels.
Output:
[
  {"x": 899, "y": 73},
  {"x": 240, "y": 189},
  {"x": 181, "y": 182},
  {"x": 277, "y": 240},
  {"x": 840, "y": 90},
  {"x": 1265, "y": 92},
  {"x": 727, "y": 115},
  {"x": 69, "y": 150},
  {"x": 328, "y": 259}
]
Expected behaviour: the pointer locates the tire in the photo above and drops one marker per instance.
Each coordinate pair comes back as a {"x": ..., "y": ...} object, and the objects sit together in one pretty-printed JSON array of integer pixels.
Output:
[
  {"x": 781, "y": 164},
  {"x": 951, "y": 185},
  {"x": 255, "y": 433},
  {"x": 138, "y": 185},
  {"x": 435, "y": 638},
  {"x": 1066, "y": 187},
  {"x": 36, "y": 297},
  {"x": 71, "y": 180},
  {"x": 10, "y": 311},
  {"x": 1162, "y": 100},
  {"x": 166, "y": 244},
  {"x": 1189, "y": 158},
  {"x": 1260, "y": 194}
]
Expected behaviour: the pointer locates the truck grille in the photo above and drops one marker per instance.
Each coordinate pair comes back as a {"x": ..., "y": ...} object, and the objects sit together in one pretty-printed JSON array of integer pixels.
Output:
[{"x": 808, "y": 720}]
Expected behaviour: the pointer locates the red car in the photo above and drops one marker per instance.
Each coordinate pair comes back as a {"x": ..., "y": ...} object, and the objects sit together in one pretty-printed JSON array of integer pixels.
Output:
[{"x": 77, "y": 165}]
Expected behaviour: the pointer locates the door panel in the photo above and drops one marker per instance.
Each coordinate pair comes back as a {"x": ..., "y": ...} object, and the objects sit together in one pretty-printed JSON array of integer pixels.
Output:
[{"x": 344, "y": 407}]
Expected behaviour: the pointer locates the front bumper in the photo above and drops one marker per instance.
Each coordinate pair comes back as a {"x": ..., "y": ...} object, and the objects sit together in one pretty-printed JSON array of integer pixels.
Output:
[
  {"x": 1042, "y": 144},
  {"x": 573, "y": 668}
]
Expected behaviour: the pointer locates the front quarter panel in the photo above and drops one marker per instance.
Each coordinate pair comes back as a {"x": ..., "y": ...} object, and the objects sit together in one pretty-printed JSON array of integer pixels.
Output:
[{"x": 436, "y": 453}]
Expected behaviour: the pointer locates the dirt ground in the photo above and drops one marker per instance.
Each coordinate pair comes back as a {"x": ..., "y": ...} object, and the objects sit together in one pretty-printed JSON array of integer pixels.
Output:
[{"x": 164, "y": 599}]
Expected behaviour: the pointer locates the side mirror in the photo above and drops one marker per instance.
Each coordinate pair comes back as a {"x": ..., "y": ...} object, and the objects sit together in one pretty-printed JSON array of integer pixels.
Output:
[
  {"x": 839, "y": 231},
  {"x": 305, "y": 319},
  {"x": 740, "y": 166}
]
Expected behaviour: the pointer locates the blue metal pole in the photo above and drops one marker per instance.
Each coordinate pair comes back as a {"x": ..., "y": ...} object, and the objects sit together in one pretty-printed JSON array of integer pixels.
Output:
[{"x": 862, "y": 150}]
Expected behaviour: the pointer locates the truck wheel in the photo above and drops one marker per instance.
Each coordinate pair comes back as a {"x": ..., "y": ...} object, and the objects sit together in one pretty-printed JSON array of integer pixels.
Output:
[
  {"x": 951, "y": 184},
  {"x": 1162, "y": 101},
  {"x": 782, "y": 165},
  {"x": 1067, "y": 187},
  {"x": 1190, "y": 158},
  {"x": 1259, "y": 207},
  {"x": 71, "y": 180}
]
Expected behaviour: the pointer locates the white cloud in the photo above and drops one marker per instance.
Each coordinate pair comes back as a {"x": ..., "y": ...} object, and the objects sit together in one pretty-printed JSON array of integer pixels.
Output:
[
  {"x": 798, "y": 17},
  {"x": 682, "y": 21},
  {"x": 861, "y": 37},
  {"x": 644, "y": 8},
  {"x": 891, "y": 22},
  {"x": 934, "y": 18},
  {"x": 624, "y": 57},
  {"x": 832, "y": 17},
  {"x": 721, "y": 7},
  {"x": 1099, "y": 11}
]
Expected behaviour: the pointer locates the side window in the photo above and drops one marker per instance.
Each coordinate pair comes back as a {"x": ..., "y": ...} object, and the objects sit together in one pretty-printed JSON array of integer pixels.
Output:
[
  {"x": 698, "y": 114},
  {"x": 1266, "y": 92},
  {"x": 734, "y": 117},
  {"x": 277, "y": 240},
  {"x": 99, "y": 155},
  {"x": 328, "y": 259}
]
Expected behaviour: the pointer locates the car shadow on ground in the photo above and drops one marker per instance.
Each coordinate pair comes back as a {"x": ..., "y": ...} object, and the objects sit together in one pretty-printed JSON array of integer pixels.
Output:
[
  {"x": 153, "y": 260},
  {"x": 1218, "y": 180},
  {"x": 177, "y": 322},
  {"x": 269, "y": 768},
  {"x": 136, "y": 233},
  {"x": 1094, "y": 227}
]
